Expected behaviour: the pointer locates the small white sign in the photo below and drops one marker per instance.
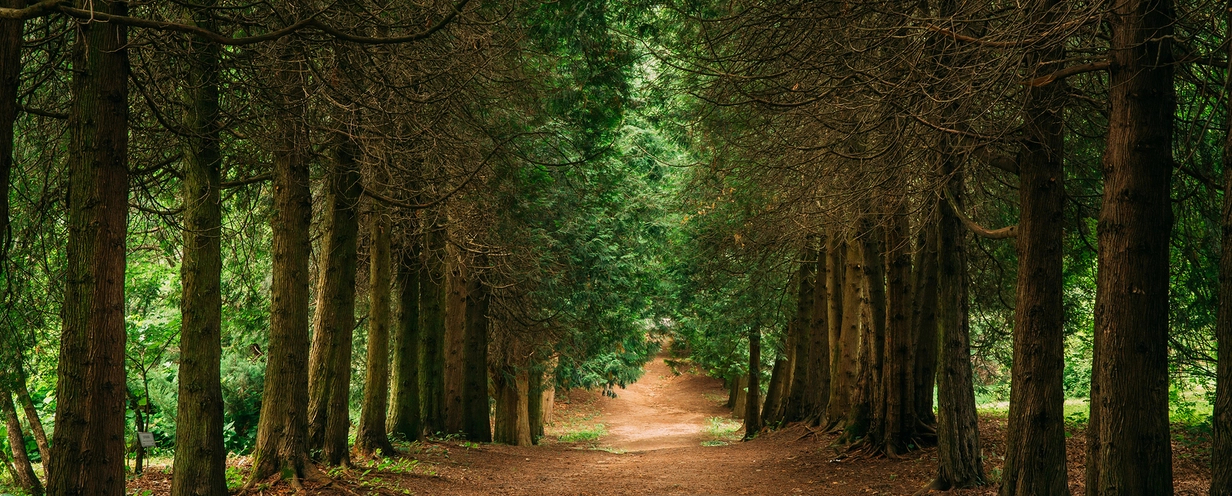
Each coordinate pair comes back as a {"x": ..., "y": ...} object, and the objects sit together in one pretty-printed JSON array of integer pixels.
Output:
[{"x": 146, "y": 439}]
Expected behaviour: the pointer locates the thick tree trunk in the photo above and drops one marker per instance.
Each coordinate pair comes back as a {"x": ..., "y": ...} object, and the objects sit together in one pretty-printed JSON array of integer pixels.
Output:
[
  {"x": 10, "y": 81},
  {"x": 752, "y": 400},
  {"x": 476, "y": 423},
  {"x": 924, "y": 326},
  {"x": 894, "y": 427},
  {"x": 432, "y": 323},
  {"x": 1130, "y": 444},
  {"x": 88, "y": 442},
  {"x": 23, "y": 471},
  {"x": 405, "y": 419},
  {"x": 282, "y": 434},
  {"x": 818, "y": 394},
  {"x": 742, "y": 394},
  {"x": 1035, "y": 452},
  {"x": 512, "y": 407},
  {"x": 329, "y": 381},
  {"x": 534, "y": 407},
  {"x": 958, "y": 444},
  {"x": 371, "y": 435},
  {"x": 798, "y": 390},
  {"x": 200, "y": 458},
  {"x": 845, "y": 378},
  {"x": 455, "y": 340},
  {"x": 1221, "y": 451},
  {"x": 875, "y": 294},
  {"x": 32, "y": 417}
]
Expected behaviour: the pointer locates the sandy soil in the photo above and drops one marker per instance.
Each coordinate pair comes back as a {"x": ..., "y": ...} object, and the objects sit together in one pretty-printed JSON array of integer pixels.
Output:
[{"x": 658, "y": 442}]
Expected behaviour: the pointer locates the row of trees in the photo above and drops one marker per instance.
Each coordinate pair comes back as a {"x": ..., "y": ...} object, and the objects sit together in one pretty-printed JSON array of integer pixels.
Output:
[
  {"x": 852, "y": 155},
  {"x": 314, "y": 169}
]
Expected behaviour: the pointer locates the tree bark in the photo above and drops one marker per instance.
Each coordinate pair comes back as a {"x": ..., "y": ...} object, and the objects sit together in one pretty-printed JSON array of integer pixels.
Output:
[
  {"x": 1130, "y": 445},
  {"x": 282, "y": 434},
  {"x": 924, "y": 326},
  {"x": 535, "y": 408},
  {"x": 1035, "y": 452},
  {"x": 1221, "y": 450},
  {"x": 894, "y": 427},
  {"x": 32, "y": 417},
  {"x": 844, "y": 384},
  {"x": 512, "y": 407},
  {"x": 455, "y": 340},
  {"x": 432, "y": 324},
  {"x": 958, "y": 439},
  {"x": 752, "y": 406},
  {"x": 475, "y": 420},
  {"x": 772, "y": 410},
  {"x": 371, "y": 435},
  {"x": 405, "y": 418},
  {"x": 10, "y": 81},
  {"x": 818, "y": 394},
  {"x": 200, "y": 458},
  {"x": 88, "y": 442},
  {"x": 329, "y": 380},
  {"x": 22, "y": 469},
  {"x": 836, "y": 267},
  {"x": 798, "y": 390}
]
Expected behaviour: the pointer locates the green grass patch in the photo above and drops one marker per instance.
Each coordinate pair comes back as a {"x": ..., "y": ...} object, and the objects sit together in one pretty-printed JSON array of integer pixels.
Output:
[
  {"x": 583, "y": 434},
  {"x": 720, "y": 430}
]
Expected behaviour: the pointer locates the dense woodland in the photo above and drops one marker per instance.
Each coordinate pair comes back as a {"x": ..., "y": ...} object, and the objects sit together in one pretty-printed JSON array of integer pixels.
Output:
[{"x": 309, "y": 232}]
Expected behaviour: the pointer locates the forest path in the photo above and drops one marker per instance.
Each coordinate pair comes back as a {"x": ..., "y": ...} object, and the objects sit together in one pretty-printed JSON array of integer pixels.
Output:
[{"x": 663, "y": 409}]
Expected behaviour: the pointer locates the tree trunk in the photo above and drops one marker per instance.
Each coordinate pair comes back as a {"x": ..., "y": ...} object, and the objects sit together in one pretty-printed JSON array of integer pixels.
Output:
[
  {"x": 742, "y": 394},
  {"x": 371, "y": 435},
  {"x": 924, "y": 325},
  {"x": 772, "y": 410},
  {"x": 432, "y": 324},
  {"x": 958, "y": 444},
  {"x": 1035, "y": 452},
  {"x": 405, "y": 418},
  {"x": 475, "y": 420},
  {"x": 22, "y": 469},
  {"x": 836, "y": 267},
  {"x": 844, "y": 383},
  {"x": 282, "y": 432},
  {"x": 36, "y": 425},
  {"x": 752, "y": 407},
  {"x": 818, "y": 395},
  {"x": 1221, "y": 451},
  {"x": 512, "y": 407},
  {"x": 895, "y": 420},
  {"x": 875, "y": 293},
  {"x": 455, "y": 339},
  {"x": 10, "y": 81},
  {"x": 535, "y": 404},
  {"x": 1130, "y": 444},
  {"x": 200, "y": 458},
  {"x": 88, "y": 442},
  {"x": 798, "y": 389},
  {"x": 329, "y": 382}
]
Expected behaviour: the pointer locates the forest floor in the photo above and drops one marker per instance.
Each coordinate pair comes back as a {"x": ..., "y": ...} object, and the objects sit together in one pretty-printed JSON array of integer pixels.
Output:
[{"x": 669, "y": 433}]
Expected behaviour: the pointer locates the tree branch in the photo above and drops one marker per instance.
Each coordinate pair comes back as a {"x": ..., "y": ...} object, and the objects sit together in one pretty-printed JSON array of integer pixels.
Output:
[
  {"x": 244, "y": 182},
  {"x": 37, "y": 10},
  {"x": 1003, "y": 233},
  {"x": 1074, "y": 70}
]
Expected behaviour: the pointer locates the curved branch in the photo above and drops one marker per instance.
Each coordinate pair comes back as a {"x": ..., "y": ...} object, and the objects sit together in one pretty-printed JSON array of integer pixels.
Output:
[{"x": 1003, "y": 233}]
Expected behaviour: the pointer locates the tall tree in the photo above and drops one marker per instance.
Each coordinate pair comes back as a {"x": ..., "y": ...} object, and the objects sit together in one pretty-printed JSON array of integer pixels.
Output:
[
  {"x": 371, "y": 435},
  {"x": 1129, "y": 445},
  {"x": 1035, "y": 452},
  {"x": 476, "y": 423},
  {"x": 88, "y": 443},
  {"x": 200, "y": 457},
  {"x": 752, "y": 402},
  {"x": 432, "y": 322},
  {"x": 405, "y": 418},
  {"x": 1221, "y": 452},
  {"x": 22, "y": 468}
]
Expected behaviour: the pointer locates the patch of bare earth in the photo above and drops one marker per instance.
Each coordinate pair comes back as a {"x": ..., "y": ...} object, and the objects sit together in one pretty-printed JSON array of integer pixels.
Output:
[{"x": 655, "y": 430}]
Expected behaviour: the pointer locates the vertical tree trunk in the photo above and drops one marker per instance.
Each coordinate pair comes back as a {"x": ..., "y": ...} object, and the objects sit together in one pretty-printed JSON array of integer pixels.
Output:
[
  {"x": 772, "y": 410},
  {"x": 512, "y": 407},
  {"x": 10, "y": 80},
  {"x": 818, "y": 395},
  {"x": 742, "y": 391},
  {"x": 1221, "y": 451},
  {"x": 875, "y": 292},
  {"x": 200, "y": 458},
  {"x": 32, "y": 417},
  {"x": 88, "y": 442},
  {"x": 958, "y": 444},
  {"x": 23, "y": 471},
  {"x": 1130, "y": 441},
  {"x": 282, "y": 432},
  {"x": 836, "y": 266},
  {"x": 1035, "y": 452},
  {"x": 752, "y": 400},
  {"x": 895, "y": 419},
  {"x": 405, "y": 418},
  {"x": 475, "y": 420},
  {"x": 844, "y": 384},
  {"x": 535, "y": 408},
  {"x": 329, "y": 386},
  {"x": 797, "y": 391},
  {"x": 371, "y": 436},
  {"x": 455, "y": 338},
  {"x": 924, "y": 325},
  {"x": 432, "y": 323}
]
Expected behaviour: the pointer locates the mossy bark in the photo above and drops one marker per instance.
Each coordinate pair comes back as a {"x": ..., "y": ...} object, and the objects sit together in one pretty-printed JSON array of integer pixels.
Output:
[{"x": 371, "y": 435}]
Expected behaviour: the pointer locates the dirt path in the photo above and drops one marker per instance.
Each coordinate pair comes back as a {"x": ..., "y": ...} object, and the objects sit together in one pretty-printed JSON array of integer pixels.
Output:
[{"x": 665, "y": 434}]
